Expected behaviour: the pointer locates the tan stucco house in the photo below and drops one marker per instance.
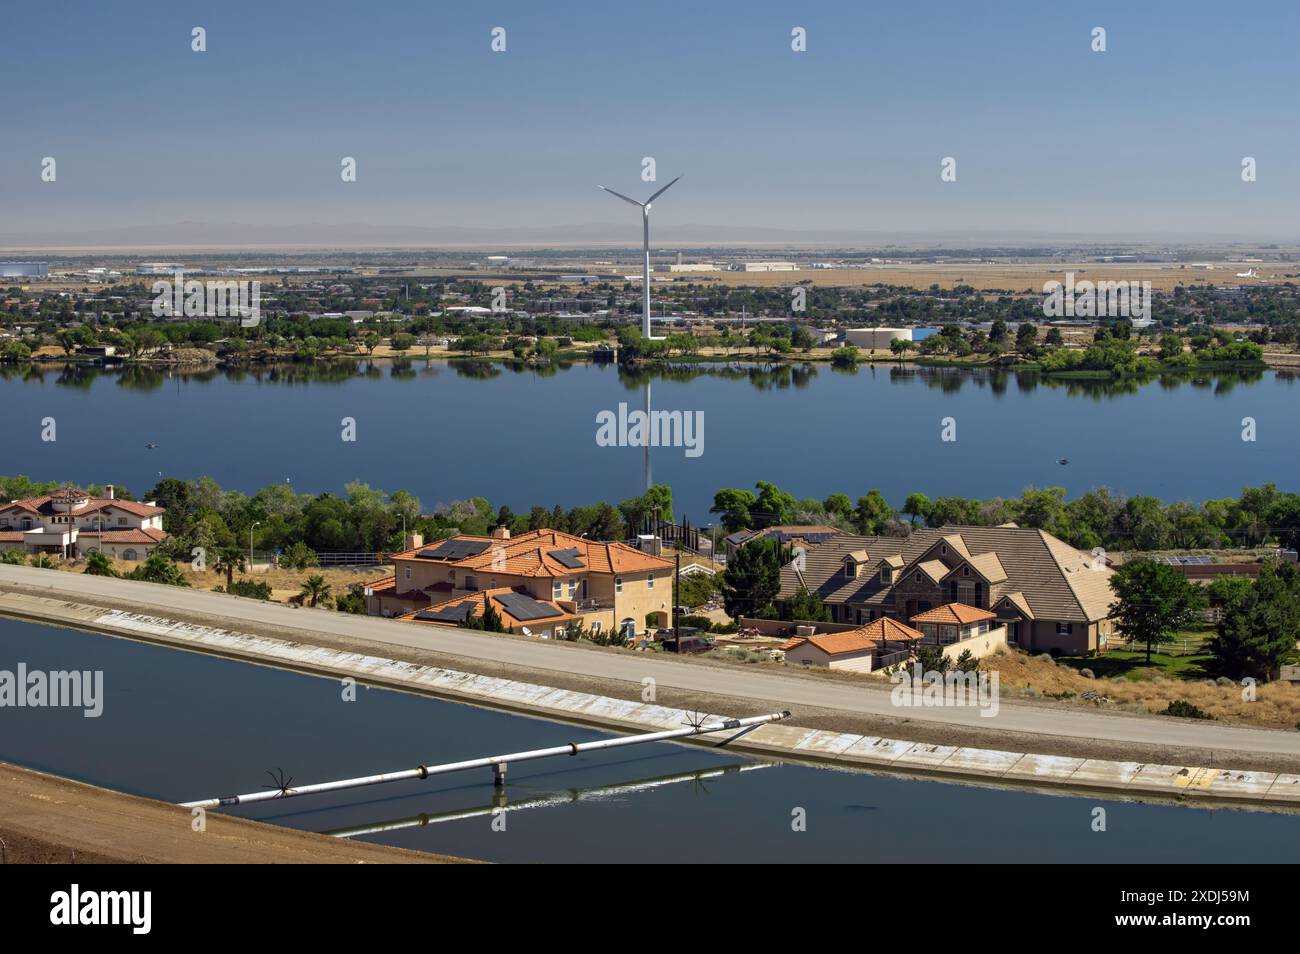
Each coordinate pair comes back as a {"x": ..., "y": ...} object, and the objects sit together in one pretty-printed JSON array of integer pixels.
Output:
[
  {"x": 604, "y": 585},
  {"x": 1048, "y": 595}
]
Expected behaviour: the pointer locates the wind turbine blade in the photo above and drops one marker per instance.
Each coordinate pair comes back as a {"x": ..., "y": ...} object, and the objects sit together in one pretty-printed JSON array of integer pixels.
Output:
[
  {"x": 660, "y": 192},
  {"x": 622, "y": 196}
]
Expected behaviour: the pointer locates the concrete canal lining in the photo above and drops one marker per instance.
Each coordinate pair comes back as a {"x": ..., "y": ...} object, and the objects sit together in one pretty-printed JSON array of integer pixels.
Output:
[{"x": 785, "y": 742}]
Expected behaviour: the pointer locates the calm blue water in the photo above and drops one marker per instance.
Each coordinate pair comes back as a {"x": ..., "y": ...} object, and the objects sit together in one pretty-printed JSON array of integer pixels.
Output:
[
  {"x": 180, "y": 726},
  {"x": 523, "y": 437}
]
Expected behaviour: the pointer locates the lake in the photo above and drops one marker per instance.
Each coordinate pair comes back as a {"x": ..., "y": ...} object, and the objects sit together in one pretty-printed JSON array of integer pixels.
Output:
[
  {"x": 181, "y": 726},
  {"x": 525, "y": 436}
]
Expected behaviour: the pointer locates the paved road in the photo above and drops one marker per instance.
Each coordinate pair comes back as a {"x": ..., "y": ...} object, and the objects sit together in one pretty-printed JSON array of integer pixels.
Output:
[{"x": 790, "y": 690}]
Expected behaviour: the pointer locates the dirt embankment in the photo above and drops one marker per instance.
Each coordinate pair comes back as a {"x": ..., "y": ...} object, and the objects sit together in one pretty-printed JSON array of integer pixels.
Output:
[{"x": 45, "y": 819}]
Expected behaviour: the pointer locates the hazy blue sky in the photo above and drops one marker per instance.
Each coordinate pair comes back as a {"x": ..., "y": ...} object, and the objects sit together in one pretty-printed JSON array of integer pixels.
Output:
[{"x": 1049, "y": 136}]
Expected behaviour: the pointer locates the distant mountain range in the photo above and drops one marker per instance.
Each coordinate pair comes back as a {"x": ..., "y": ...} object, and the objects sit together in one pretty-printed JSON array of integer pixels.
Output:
[{"x": 359, "y": 235}]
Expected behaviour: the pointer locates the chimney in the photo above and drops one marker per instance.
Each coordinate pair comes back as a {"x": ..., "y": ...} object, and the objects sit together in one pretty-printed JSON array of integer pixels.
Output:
[
  {"x": 414, "y": 540},
  {"x": 501, "y": 533},
  {"x": 108, "y": 491}
]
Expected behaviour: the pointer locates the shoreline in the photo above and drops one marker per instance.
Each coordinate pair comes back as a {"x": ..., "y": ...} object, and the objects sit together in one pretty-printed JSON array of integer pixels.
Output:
[
  {"x": 49, "y": 819},
  {"x": 938, "y": 751}
]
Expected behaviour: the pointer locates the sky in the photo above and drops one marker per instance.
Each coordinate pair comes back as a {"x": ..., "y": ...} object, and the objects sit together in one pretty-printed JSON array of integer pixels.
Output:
[{"x": 1049, "y": 136}]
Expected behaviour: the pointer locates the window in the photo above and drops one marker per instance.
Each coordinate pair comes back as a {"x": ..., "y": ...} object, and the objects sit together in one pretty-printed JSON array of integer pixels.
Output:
[
  {"x": 471, "y": 582},
  {"x": 965, "y": 571},
  {"x": 886, "y": 575},
  {"x": 943, "y": 550},
  {"x": 947, "y": 635},
  {"x": 850, "y": 569},
  {"x": 618, "y": 584},
  {"x": 408, "y": 572},
  {"x": 650, "y": 581},
  {"x": 121, "y": 521},
  {"x": 573, "y": 588},
  {"x": 1062, "y": 629},
  {"x": 557, "y": 589}
]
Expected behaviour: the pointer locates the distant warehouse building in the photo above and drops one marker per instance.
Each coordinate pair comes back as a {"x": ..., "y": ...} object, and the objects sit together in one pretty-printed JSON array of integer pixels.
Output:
[
  {"x": 766, "y": 267},
  {"x": 24, "y": 269},
  {"x": 876, "y": 339},
  {"x": 158, "y": 268}
]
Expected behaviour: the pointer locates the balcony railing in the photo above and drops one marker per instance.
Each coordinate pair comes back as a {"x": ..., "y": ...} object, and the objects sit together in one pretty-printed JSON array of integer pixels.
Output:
[{"x": 587, "y": 606}]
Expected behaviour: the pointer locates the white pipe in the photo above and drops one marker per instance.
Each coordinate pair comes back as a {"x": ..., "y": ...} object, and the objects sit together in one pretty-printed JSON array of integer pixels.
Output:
[{"x": 497, "y": 762}]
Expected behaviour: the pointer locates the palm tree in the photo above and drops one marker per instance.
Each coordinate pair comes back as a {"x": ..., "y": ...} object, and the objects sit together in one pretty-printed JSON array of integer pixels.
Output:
[
  {"x": 99, "y": 565},
  {"x": 314, "y": 590},
  {"x": 230, "y": 559}
]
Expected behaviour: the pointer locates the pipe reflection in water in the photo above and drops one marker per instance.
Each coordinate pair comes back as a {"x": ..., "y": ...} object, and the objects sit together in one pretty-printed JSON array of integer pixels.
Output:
[{"x": 501, "y": 802}]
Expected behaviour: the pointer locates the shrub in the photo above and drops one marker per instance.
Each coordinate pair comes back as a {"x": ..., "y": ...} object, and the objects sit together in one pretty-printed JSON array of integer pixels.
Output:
[{"x": 1185, "y": 710}]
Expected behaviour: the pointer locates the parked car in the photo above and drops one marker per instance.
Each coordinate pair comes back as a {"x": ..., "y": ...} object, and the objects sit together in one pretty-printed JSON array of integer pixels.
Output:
[{"x": 687, "y": 644}]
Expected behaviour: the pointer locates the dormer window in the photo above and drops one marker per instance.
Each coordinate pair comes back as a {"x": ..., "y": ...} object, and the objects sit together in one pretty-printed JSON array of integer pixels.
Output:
[
  {"x": 851, "y": 569},
  {"x": 886, "y": 575},
  {"x": 943, "y": 549},
  {"x": 965, "y": 571}
]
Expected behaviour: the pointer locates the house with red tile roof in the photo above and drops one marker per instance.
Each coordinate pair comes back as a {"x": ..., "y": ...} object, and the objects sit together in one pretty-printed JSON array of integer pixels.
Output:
[
  {"x": 878, "y": 644},
  {"x": 605, "y": 585},
  {"x": 519, "y": 613},
  {"x": 70, "y": 523}
]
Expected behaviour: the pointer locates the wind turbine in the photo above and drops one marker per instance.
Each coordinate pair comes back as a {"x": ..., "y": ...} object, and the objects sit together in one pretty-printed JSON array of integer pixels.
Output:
[{"x": 645, "y": 272}]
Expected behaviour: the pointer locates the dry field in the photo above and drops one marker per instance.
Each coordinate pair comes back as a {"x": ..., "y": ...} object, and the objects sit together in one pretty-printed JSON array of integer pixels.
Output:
[
  {"x": 1276, "y": 705},
  {"x": 1017, "y": 278},
  {"x": 284, "y": 583}
]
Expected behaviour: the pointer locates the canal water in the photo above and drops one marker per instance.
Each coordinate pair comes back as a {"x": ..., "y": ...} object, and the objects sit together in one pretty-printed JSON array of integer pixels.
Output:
[
  {"x": 526, "y": 437},
  {"x": 180, "y": 726}
]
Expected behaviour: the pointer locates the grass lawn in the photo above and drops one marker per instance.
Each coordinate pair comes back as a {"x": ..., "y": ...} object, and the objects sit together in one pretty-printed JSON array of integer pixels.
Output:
[{"x": 1181, "y": 659}]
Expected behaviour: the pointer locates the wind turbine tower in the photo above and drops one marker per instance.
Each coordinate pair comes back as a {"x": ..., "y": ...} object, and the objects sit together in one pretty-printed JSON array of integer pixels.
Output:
[{"x": 645, "y": 232}]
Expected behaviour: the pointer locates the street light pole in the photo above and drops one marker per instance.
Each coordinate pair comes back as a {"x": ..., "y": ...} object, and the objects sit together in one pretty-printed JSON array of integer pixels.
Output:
[{"x": 250, "y": 545}]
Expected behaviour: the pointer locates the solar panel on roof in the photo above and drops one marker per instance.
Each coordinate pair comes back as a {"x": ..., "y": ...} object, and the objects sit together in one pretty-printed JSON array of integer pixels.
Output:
[
  {"x": 523, "y": 607},
  {"x": 450, "y": 614},
  {"x": 454, "y": 550},
  {"x": 570, "y": 558}
]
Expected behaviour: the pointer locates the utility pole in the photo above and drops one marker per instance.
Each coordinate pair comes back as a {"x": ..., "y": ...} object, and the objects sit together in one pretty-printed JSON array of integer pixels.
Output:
[{"x": 677, "y": 583}]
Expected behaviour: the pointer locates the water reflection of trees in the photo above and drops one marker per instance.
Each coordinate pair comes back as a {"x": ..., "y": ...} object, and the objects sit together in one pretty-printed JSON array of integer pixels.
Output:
[{"x": 761, "y": 376}]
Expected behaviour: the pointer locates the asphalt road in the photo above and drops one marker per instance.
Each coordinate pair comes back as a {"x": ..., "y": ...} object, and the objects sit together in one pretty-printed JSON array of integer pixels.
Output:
[{"x": 766, "y": 689}]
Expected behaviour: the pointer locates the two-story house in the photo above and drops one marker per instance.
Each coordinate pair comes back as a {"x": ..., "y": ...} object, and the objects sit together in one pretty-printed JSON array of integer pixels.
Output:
[
  {"x": 1048, "y": 595},
  {"x": 603, "y": 584},
  {"x": 71, "y": 523}
]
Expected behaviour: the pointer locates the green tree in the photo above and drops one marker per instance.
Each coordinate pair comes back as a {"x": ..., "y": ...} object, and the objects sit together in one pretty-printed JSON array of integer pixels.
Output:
[
  {"x": 805, "y": 606},
  {"x": 917, "y": 507},
  {"x": 97, "y": 564},
  {"x": 159, "y": 569},
  {"x": 314, "y": 590},
  {"x": 872, "y": 513},
  {"x": 753, "y": 578},
  {"x": 1155, "y": 601},
  {"x": 228, "y": 560},
  {"x": 733, "y": 506},
  {"x": 1261, "y": 621}
]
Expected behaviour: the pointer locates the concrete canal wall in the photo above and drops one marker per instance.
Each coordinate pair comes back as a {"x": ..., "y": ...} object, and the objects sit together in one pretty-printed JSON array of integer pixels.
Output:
[{"x": 1048, "y": 773}]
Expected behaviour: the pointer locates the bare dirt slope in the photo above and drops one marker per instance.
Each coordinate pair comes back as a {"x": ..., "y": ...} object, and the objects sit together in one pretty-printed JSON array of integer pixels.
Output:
[{"x": 46, "y": 819}]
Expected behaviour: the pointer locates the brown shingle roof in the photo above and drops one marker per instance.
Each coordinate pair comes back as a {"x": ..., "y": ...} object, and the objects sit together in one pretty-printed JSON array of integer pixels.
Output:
[{"x": 1054, "y": 580}]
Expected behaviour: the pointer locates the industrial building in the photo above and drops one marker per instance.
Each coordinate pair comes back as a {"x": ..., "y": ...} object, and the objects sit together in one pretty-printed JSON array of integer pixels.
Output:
[
  {"x": 158, "y": 268},
  {"x": 765, "y": 267},
  {"x": 24, "y": 269},
  {"x": 876, "y": 339}
]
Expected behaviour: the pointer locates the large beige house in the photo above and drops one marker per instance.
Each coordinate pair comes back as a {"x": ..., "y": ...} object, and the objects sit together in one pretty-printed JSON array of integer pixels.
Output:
[
  {"x": 70, "y": 523},
  {"x": 1048, "y": 595},
  {"x": 604, "y": 585}
]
